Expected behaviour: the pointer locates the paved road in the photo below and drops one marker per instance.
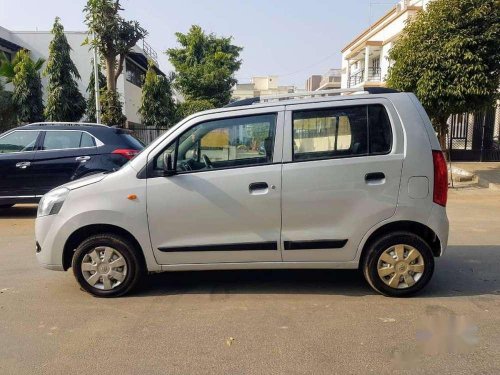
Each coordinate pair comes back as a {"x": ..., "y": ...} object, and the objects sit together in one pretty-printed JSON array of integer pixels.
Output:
[{"x": 286, "y": 322}]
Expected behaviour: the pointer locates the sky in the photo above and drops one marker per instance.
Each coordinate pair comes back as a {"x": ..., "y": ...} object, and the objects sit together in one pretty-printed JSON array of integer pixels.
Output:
[{"x": 292, "y": 39}]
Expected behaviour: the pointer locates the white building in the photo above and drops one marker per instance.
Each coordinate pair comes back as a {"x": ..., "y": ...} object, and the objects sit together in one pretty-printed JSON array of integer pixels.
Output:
[
  {"x": 364, "y": 59},
  {"x": 260, "y": 86},
  {"x": 128, "y": 85}
]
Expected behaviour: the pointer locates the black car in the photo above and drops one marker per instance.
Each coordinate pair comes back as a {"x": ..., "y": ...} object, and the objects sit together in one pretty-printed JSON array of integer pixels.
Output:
[{"x": 35, "y": 158}]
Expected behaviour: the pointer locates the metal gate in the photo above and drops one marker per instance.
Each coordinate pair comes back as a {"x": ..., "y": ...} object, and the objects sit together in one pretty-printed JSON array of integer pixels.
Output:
[{"x": 474, "y": 136}]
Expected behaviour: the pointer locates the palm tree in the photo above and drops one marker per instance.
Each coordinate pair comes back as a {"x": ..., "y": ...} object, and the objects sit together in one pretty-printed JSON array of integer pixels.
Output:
[{"x": 7, "y": 67}]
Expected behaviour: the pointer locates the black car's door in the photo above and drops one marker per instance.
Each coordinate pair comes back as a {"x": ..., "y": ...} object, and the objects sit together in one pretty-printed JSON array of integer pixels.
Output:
[
  {"x": 17, "y": 150},
  {"x": 60, "y": 154}
]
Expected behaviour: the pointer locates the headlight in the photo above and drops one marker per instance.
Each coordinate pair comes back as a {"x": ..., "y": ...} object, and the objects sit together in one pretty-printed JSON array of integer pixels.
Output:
[{"x": 51, "y": 203}]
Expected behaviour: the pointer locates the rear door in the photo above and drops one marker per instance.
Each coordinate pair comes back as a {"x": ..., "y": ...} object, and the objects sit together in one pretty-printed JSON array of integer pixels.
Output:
[
  {"x": 60, "y": 154},
  {"x": 16, "y": 157},
  {"x": 341, "y": 175}
]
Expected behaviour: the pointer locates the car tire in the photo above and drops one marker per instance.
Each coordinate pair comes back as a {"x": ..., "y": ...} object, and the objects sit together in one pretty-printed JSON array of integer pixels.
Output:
[
  {"x": 398, "y": 264},
  {"x": 107, "y": 265}
]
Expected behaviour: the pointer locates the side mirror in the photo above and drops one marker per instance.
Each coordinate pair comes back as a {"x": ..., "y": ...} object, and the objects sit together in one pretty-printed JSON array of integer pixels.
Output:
[{"x": 168, "y": 168}]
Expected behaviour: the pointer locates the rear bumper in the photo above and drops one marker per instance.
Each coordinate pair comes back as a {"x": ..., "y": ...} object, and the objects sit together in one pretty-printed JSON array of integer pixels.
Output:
[{"x": 438, "y": 222}]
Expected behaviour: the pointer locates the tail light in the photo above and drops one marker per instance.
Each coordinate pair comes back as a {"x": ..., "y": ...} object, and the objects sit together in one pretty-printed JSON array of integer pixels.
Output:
[
  {"x": 125, "y": 152},
  {"x": 440, "y": 195}
]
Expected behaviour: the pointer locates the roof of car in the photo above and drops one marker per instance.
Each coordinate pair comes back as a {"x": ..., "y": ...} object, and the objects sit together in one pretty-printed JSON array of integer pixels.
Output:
[{"x": 301, "y": 98}]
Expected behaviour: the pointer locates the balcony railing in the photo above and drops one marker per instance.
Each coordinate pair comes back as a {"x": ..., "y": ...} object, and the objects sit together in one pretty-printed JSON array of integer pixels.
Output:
[
  {"x": 356, "y": 78},
  {"x": 374, "y": 74},
  {"x": 149, "y": 51}
]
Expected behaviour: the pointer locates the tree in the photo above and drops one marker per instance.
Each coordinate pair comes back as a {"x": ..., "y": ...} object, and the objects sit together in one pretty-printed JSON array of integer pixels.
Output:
[
  {"x": 7, "y": 110},
  {"x": 157, "y": 105},
  {"x": 205, "y": 65},
  {"x": 449, "y": 56},
  {"x": 191, "y": 106},
  {"x": 90, "y": 114},
  {"x": 111, "y": 108},
  {"x": 64, "y": 100},
  {"x": 112, "y": 35},
  {"x": 27, "y": 95}
]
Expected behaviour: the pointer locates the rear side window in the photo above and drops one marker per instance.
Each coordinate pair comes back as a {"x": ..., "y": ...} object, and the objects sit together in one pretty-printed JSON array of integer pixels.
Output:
[
  {"x": 64, "y": 139},
  {"x": 59, "y": 140},
  {"x": 341, "y": 132},
  {"x": 18, "y": 141}
]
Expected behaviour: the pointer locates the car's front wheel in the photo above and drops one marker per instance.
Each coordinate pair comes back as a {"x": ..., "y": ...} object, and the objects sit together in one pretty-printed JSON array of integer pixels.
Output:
[
  {"x": 107, "y": 265},
  {"x": 398, "y": 264}
]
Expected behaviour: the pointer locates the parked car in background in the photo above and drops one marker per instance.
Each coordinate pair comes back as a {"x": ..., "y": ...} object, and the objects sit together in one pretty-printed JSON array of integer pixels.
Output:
[
  {"x": 35, "y": 158},
  {"x": 344, "y": 181}
]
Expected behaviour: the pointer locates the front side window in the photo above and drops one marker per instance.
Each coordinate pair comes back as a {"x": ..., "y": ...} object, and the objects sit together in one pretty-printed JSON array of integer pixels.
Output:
[
  {"x": 61, "y": 140},
  {"x": 341, "y": 132},
  {"x": 226, "y": 143},
  {"x": 18, "y": 141}
]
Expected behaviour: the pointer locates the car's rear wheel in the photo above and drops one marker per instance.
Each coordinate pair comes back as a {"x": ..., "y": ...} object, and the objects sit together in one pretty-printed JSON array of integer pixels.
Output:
[
  {"x": 398, "y": 264},
  {"x": 107, "y": 265}
]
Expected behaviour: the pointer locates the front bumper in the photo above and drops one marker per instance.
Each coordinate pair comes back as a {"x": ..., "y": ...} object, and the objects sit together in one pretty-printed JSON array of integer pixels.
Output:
[{"x": 50, "y": 242}]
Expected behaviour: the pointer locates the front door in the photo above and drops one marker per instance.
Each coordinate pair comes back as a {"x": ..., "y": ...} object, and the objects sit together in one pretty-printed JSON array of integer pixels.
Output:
[
  {"x": 341, "y": 176},
  {"x": 17, "y": 150},
  {"x": 224, "y": 203}
]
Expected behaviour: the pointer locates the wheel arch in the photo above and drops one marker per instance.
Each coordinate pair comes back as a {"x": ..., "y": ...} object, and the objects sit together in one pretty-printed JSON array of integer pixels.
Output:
[
  {"x": 422, "y": 230},
  {"x": 84, "y": 232}
]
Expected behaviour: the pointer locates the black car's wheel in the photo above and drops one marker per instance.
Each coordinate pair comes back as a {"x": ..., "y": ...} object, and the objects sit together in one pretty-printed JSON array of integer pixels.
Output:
[
  {"x": 398, "y": 264},
  {"x": 107, "y": 265}
]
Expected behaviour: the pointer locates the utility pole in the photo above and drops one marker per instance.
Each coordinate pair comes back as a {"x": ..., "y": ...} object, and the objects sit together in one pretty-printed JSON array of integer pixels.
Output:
[{"x": 96, "y": 86}]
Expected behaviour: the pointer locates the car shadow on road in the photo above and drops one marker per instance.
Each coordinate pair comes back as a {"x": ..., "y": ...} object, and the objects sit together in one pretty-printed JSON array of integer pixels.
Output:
[
  {"x": 463, "y": 271},
  {"x": 22, "y": 211}
]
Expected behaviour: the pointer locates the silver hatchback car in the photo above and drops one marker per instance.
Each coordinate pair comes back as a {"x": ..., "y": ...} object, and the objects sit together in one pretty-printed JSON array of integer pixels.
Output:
[{"x": 317, "y": 180}]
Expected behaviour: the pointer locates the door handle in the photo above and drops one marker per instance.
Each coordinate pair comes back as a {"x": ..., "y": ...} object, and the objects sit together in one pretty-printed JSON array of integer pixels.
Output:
[
  {"x": 258, "y": 188},
  {"x": 375, "y": 178},
  {"x": 23, "y": 164},
  {"x": 82, "y": 159}
]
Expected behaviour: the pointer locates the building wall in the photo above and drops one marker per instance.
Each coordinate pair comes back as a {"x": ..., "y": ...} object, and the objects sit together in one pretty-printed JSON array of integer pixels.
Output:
[
  {"x": 132, "y": 101},
  {"x": 313, "y": 82},
  {"x": 38, "y": 43},
  {"x": 260, "y": 86}
]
